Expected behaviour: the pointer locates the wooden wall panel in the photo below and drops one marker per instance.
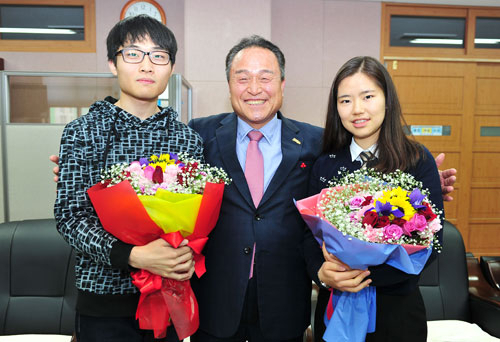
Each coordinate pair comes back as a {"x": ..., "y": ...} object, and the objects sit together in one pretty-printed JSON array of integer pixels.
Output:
[
  {"x": 486, "y": 70},
  {"x": 483, "y": 238},
  {"x": 451, "y": 208},
  {"x": 486, "y": 143},
  {"x": 485, "y": 203},
  {"x": 443, "y": 95},
  {"x": 456, "y": 87},
  {"x": 487, "y": 85},
  {"x": 486, "y": 168},
  {"x": 487, "y": 100}
]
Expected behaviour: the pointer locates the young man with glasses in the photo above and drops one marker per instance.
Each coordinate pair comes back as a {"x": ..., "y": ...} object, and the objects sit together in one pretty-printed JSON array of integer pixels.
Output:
[{"x": 141, "y": 53}]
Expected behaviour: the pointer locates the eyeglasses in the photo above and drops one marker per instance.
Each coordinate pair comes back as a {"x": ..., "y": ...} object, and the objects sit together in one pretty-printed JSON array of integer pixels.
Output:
[{"x": 135, "y": 56}]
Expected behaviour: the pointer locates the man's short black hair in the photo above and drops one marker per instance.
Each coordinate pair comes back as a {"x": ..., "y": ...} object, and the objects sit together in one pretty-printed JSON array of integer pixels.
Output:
[
  {"x": 137, "y": 28},
  {"x": 255, "y": 41}
]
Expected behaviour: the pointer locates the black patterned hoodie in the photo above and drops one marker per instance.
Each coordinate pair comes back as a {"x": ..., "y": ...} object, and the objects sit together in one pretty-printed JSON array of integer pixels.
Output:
[{"x": 108, "y": 132}]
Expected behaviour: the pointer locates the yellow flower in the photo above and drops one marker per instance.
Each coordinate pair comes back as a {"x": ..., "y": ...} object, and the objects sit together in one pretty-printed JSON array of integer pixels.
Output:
[
  {"x": 398, "y": 198},
  {"x": 163, "y": 160}
]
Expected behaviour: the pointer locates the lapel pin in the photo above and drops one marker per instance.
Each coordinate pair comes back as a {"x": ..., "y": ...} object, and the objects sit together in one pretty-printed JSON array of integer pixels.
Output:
[{"x": 295, "y": 140}]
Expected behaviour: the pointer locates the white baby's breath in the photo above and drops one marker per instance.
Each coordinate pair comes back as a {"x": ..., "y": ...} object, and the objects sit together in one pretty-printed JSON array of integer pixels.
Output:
[
  {"x": 368, "y": 182},
  {"x": 190, "y": 176}
]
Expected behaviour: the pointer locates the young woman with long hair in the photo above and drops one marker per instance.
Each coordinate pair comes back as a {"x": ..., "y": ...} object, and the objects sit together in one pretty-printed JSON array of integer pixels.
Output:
[{"x": 364, "y": 118}]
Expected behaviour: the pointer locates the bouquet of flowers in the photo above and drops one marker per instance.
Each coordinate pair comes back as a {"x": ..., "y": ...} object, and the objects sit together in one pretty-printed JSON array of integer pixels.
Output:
[
  {"x": 367, "y": 218},
  {"x": 173, "y": 197}
]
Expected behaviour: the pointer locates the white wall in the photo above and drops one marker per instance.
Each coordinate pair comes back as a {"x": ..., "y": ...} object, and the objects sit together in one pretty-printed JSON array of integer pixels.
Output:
[
  {"x": 211, "y": 29},
  {"x": 31, "y": 190},
  {"x": 317, "y": 37}
]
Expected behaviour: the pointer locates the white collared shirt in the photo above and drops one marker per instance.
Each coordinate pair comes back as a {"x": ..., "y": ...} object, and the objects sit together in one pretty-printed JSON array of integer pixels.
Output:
[{"x": 356, "y": 150}]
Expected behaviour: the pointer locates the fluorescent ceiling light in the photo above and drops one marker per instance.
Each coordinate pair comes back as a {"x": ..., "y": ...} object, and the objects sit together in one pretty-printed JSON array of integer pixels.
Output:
[
  {"x": 35, "y": 30},
  {"x": 408, "y": 35},
  {"x": 437, "y": 41},
  {"x": 486, "y": 41},
  {"x": 453, "y": 41}
]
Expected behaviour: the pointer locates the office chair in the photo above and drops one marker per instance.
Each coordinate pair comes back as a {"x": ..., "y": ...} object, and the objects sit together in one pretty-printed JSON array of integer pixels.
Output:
[{"x": 37, "y": 280}]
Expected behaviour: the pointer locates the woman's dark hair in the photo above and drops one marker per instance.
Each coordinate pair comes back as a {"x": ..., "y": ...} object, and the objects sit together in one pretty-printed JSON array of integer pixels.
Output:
[
  {"x": 255, "y": 41},
  {"x": 395, "y": 149},
  {"x": 137, "y": 28}
]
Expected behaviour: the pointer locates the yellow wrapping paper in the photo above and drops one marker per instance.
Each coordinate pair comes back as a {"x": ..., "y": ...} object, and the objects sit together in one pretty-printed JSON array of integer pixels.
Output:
[{"x": 173, "y": 211}]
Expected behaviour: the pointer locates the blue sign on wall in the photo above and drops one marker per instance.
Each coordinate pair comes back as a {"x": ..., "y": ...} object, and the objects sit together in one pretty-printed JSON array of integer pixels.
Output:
[{"x": 428, "y": 130}]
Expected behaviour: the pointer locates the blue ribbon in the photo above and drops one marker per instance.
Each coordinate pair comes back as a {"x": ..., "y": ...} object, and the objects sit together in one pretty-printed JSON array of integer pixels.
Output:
[{"x": 353, "y": 317}]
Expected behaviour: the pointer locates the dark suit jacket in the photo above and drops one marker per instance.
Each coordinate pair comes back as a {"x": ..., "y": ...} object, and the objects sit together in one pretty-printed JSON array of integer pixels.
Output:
[{"x": 287, "y": 256}]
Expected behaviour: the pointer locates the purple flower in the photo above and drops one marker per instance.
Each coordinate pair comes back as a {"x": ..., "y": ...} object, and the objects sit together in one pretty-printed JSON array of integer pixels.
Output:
[
  {"x": 416, "y": 198},
  {"x": 174, "y": 157},
  {"x": 393, "y": 232},
  {"x": 144, "y": 161},
  {"x": 385, "y": 209}
]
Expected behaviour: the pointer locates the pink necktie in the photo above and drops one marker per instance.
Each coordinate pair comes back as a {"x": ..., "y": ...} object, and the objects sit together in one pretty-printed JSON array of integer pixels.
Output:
[
  {"x": 254, "y": 173},
  {"x": 254, "y": 167}
]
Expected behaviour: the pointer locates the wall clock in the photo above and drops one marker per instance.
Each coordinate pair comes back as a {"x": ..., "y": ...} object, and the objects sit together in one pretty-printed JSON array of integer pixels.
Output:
[{"x": 149, "y": 7}]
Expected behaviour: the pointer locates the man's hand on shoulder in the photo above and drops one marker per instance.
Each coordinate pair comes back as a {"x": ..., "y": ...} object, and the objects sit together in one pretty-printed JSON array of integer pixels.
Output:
[
  {"x": 447, "y": 178},
  {"x": 55, "y": 159}
]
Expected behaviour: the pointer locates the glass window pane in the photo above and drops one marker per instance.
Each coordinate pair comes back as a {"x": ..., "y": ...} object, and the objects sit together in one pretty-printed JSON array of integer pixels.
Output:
[
  {"x": 441, "y": 32},
  {"x": 27, "y": 22},
  {"x": 487, "y": 33},
  {"x": 490, "y": 131},
  {"x": 56, "y": 99}
]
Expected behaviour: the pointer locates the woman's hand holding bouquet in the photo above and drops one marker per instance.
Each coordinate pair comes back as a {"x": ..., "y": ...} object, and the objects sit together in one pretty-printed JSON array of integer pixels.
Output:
[{"x": 340, "y": 276}]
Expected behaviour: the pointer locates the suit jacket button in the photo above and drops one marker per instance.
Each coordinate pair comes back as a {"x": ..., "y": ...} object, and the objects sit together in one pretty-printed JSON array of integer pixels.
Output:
[
  {"x": 258, "y": 217},
  {"x": 247, "y": 250}
]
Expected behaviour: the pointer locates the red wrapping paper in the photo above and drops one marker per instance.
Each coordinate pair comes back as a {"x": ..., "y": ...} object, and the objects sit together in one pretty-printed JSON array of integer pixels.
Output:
[{"x": 162, "y": 300}]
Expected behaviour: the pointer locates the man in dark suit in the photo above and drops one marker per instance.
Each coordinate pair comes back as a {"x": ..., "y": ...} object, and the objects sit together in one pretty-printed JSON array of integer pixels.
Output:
[{"x": 260, "y": 257}]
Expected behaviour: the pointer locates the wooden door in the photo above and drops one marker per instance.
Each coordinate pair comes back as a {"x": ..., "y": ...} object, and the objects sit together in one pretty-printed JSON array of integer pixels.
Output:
[{"x": 460, "y": 100}]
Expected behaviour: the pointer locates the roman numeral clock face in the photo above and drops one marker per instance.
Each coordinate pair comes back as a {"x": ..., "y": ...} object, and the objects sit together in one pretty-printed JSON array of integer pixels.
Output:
[{"x": 148, "y": 7}]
